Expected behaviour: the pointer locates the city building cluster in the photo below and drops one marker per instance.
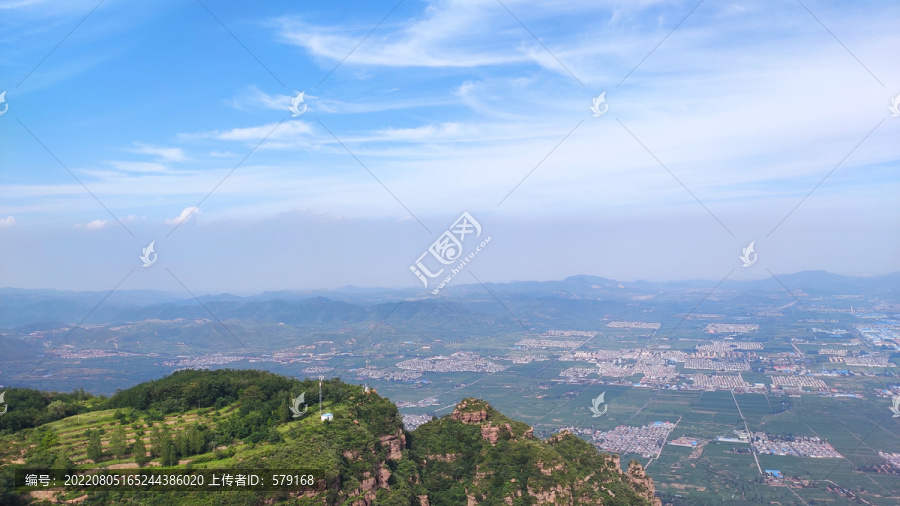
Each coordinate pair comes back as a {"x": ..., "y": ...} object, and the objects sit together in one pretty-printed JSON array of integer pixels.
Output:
[
  {"x": 578, "y": 372},
  {"x": 570, "y": 333},
  {"x": 616, "y": 324},
  {"x": 873, "y": 360},
  {"x": 719, "y": 381},
  {"x": 891, "y": 458},
  {"x": 317, "y": 369},
  {"x": 796, "y": 446},
  {"x": 879, "y": 334},
  {"x": 612, "y": 369},
  {"x": 743, "y": 328},
  {"x": 410, "y": 422},
  {"x": 647, "y": 440},
  {"x": 203, "y": 361},
  {"x": 548, "y": 343},
  {"x": 717, "y": 365},
  {"x": 527, "y": 359},
  {"x": 593, "y": 356},
  {"x": 461, "y": 361},
  {"x": 424, "y": 403},
  {"x": 72, "y": 353},
  {"x": 388, "y": 374},
  {"x": 716, "y": 347},
  {"x": 798, "y": 381}
]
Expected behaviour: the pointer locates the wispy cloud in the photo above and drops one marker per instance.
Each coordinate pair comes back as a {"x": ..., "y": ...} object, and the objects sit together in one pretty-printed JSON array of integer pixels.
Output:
[
  {"x": 168, "y": 154},
  {"x": 144, "y": 167},
  {"x": 7, "y": 222},
  {"x": 254, "y": 98},
  {"x": 93, "y": 225},
  {"x": 188, "y": 211},
  {"x": 448, "y": 34},
  {"x": 289, "y": 130}
]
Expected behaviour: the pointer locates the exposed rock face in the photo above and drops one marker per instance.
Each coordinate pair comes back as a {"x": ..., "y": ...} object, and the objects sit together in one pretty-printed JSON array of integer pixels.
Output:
[
  {"x": 447, "y": 457},
  {"x": 548, "y": 470},
  {"x": 469, "y": 417},
  {"x": 614, "y": 460},
  {"x": 490, "y": 433},
  {"x": 567, "y": 470},
  {"x": 555, "y": 495},
  {"x": 383, "y": 474},
  {"x": 394, "y": 443},
  {"x": 642, "y": 482},
  {"x": 373, "y": 481},
  {"x": 368, "y": 489}
]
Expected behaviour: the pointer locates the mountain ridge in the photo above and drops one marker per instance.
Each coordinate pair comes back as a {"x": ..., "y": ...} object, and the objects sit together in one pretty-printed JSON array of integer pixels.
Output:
[{"x": 475, "y": 455}]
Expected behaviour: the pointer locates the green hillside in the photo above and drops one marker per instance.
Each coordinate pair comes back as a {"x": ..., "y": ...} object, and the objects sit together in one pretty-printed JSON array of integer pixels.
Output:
[{"x": 242, "y": 420}]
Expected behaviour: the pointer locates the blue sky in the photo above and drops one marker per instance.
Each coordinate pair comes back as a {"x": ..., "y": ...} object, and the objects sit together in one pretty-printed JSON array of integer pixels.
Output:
[{"x": 709, "y": 142}]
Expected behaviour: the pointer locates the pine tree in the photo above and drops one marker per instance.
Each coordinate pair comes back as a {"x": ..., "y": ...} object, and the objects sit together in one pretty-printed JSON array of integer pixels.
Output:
[
  {"x": 155, "y": 441},
  {"x": 94, "y": 447},
  {"x": 167, "y": 453},
  {"x": 195, "y": 440},
  {"x": 181, "y": 444},
  {"x": 117, "y": 443},
  {"x": 63, "y": 462},
  {"x": 140, "y": 451}
]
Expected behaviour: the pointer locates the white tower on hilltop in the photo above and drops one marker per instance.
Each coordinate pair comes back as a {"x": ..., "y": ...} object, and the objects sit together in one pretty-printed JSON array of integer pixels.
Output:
[
  {"x": 367, "y": 376},
  {"x": 320, "y": 395}
]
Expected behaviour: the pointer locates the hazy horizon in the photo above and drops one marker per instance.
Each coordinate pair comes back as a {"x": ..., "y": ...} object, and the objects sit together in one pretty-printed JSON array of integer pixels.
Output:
[{"x": 713, "y": 126}]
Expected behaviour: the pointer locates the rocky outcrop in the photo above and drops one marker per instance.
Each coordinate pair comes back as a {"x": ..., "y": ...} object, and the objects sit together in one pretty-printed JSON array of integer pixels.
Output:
[
  {"x": 614, "y": 461},
  {"x": 394, "y": 444},
  {"x": 490, "y": 433},
  {"x": 555, "y": 495},
  {"x": 465, "y": 414},
  {"x": 548, "y": 470},
  {"x": 383, "y": 475},
  {"x": 642, "y": 483}
]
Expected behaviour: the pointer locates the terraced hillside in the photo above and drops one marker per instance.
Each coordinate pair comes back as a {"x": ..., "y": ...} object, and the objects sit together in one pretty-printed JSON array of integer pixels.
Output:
[{"x": 242, "y": 420}]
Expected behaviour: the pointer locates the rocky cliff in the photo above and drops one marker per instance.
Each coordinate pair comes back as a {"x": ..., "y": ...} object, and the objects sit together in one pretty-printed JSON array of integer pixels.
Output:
[{"x": 498, "y": 460}]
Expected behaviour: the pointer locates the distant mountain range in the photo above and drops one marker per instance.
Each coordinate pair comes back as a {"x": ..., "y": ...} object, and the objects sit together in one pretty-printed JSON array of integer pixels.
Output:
[{"x": 576, "y": 295}]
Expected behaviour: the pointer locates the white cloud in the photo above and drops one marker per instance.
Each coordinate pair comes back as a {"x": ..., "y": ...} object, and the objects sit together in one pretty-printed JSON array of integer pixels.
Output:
[
  {"x": 289, "y": 130},
  {"x": 188, "y": 211},
  {"x": 93, "y": 225},
  {"x": 139, "y": 166},
  {"x": 448, "y": 35},
  {"x": 7, "y": 222},
  {"x": 169, "y": 154},
  {"x": 257, "y": 98}
]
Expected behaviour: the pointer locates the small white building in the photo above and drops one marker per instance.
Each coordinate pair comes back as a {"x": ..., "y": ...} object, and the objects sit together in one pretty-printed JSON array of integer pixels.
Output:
[{"x": 327, "y": 416}]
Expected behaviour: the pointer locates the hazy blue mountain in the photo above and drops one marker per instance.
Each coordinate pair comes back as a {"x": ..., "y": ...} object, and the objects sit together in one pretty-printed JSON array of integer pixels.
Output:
[{"x": 559, "y": 301}]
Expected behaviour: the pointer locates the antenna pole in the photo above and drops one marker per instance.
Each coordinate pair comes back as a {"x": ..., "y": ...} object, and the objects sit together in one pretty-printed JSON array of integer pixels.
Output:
[{"x": 320, "y": 395}]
